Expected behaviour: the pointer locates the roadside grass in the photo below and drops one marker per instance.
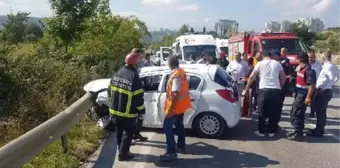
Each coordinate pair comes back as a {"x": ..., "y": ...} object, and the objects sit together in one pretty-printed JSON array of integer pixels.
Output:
[{"x": 82, "y": 141}]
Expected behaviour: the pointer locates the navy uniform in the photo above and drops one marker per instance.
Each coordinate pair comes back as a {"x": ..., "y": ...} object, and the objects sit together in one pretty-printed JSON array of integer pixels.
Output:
[
  {"x": 305, "y": 77},
  {"x": 287, "y": 70},
  {"x": 126, "y": 97}
]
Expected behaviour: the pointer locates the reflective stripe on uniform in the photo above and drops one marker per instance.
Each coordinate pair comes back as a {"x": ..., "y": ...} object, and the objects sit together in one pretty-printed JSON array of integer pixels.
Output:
[
  {"x": 140, "y": 107},
  {"x": 181, "y": 96},
  {"x": 122, "y": 114},
  {"x": 129, "y": 101}
]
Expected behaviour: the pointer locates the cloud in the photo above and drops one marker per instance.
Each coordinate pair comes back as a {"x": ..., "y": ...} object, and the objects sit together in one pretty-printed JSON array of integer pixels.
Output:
[
  {"x": 158, "y": 2},
  {"x": 171, "y": 5},
  {"x": 302, "y": 7},
  {"x": 192, "y": 7},
  {"x": 207, "y": 20},
  {"x": 323, "y": 6}
]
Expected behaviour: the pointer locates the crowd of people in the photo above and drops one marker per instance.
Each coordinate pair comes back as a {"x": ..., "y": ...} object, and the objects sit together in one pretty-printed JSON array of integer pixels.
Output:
[{"x": 266, "y": 77}]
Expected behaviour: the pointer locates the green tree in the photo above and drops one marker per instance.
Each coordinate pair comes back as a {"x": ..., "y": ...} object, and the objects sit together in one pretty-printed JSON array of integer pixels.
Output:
[
  {"x": 70, "y": 15},
  {"x": 184, "y": 29},
  {"x": 302, "y": 31},
  {"x": 14, "y": 28},
  {"x": 33, "y": 32},
  {"x": 204, "y": 29},
  {"x": 192, "y": 30},
  {"x": 213, "y": 33},
  {"x": 334, "y": 42},
  {"x": 229, "y": 33}
]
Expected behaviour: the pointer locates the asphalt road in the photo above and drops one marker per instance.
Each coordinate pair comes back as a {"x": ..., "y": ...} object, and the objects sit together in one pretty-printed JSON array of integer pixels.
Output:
[{"x": 238, "y": 148}]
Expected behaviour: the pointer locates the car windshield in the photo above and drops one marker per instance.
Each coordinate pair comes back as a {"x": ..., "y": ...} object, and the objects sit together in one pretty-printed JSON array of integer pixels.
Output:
[
  {"x": 292, "y": 45},
  {"x": 224, "y": 49},
  {"x": 222, "y": 78},
  {"x": 197, "y": 51}
]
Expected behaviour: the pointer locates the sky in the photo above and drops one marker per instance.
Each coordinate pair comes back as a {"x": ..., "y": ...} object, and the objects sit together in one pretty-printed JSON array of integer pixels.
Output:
[{"x": 171, "y": 14}]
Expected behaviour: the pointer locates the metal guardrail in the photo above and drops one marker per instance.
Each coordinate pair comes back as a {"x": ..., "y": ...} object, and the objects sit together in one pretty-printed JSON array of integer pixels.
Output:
[{"x": 19, "y": 151}]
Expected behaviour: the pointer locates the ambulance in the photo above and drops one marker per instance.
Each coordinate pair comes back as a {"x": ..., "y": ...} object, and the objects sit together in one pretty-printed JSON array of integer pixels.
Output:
[
  {"x": 222, "y": 46},
  {"x": 189, "y": 45}
]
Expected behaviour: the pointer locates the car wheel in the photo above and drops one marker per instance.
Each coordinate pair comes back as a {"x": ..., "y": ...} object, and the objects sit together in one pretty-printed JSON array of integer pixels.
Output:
[{"x": 210, "y": 125}]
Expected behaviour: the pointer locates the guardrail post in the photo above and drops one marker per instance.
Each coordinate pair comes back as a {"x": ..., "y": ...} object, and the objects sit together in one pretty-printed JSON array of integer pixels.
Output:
[{"x": 64, "y": 143}]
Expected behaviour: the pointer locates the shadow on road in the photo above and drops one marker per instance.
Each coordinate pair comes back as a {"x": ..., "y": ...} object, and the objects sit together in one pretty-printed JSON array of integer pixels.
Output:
[
  {"x": 106, "y": 156},
  {"x": 214, "y": 157}
]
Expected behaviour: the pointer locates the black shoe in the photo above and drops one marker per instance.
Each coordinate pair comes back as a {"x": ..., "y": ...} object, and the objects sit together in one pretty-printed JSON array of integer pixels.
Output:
[
  {"x": 140, "y": 137},
  {"x": 312, "y": 115},
  {"x": 168, "y": 157},
  {"x": 296, "y": 137},
  {"x": 125, "y": 157},
  {"x": 313, "y": 133},
  {"x": 180, "y": 150}
]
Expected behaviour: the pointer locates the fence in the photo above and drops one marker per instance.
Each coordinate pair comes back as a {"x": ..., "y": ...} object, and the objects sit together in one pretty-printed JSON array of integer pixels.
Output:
[{"x": 17, "y": 152}]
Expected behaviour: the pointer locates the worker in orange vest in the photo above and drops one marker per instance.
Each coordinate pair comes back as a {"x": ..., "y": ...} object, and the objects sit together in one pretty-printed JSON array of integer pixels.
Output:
[{"x": 177, "y": 102}]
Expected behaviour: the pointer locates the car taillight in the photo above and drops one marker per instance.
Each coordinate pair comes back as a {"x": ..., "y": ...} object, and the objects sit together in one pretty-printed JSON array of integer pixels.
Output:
[{"x": 227, "y": 95}]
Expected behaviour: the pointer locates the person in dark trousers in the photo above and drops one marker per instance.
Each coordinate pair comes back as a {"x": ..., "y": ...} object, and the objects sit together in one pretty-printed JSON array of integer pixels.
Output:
[
  {"x": 284, "y": 61},
  {"x": 317, "y": 66},
  {"x": 126, "y": 97},
  {"x": 328, "y": 77},
  {"x": 272, "y": 78},
  {"x": 140, "y": 119},
  {"x": 177, "y": 102},
  {"x": 305, "y": 85},
  {"x": 253, "y": 85}
]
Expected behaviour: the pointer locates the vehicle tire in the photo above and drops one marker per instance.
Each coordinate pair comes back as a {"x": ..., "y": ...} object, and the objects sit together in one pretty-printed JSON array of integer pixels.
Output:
[{"x": 209, "y": 125}]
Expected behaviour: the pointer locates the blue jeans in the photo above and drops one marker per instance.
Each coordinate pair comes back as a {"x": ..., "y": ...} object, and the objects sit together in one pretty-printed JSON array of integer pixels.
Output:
[{"x": 168, "y": 123}]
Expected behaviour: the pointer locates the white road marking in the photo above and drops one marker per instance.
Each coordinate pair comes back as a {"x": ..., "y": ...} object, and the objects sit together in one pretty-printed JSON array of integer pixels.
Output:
[
  {"x": 327, "y": 133},
  {"x": 310, "y": 124},
  {"x": 144, "y": 150}
]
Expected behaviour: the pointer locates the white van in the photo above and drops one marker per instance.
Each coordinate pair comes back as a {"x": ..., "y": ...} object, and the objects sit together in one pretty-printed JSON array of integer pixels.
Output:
[
  {"x": 222, "y": 46},
  {"x": 192, "y": 45}
]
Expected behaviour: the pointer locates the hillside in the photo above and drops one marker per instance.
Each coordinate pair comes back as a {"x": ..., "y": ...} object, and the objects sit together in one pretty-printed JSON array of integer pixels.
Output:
[
  {"x": 328, "y": 39},
  {"x": 35, "y": 20}
]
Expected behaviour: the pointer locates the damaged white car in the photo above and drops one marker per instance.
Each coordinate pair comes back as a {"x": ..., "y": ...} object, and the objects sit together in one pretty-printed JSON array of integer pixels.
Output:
[{"x": 215, "y": 101}]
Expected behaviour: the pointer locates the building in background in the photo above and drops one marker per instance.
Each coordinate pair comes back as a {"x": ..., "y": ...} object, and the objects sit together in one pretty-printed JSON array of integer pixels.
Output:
[
  {"x": 314, "y": 24},
  {"x": 223, "y": 26},
  {"x": 285, "y": 26},
  {"x": 273, "y": 27}
]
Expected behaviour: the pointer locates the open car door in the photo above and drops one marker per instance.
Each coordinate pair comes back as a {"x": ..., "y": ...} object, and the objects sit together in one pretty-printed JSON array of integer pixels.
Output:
[{"x": 164, "y": 55}]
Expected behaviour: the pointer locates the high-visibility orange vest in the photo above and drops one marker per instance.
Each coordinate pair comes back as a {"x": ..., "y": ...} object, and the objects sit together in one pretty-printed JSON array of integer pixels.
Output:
[{"x": 184, "y": 102}]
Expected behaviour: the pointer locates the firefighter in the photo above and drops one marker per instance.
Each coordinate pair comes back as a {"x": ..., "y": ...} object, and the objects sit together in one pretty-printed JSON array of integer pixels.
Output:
[
  {"x": 139, "y": 121},
  {"x": 176, "y": 103},
  {"x": 126, "y": 101},
  {"x": 305, "y": 85}
]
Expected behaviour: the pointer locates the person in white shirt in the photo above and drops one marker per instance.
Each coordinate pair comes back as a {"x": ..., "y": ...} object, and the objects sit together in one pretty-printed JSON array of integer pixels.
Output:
[
  {"x": 316, "y": 66},
  {"x": 328, "y": 77},
  {"x": 147, "y": 62},
  {"x": 238, "y": 70},
  {"x": 272, "y": 78},
  {"x": 203, "y": 59}
]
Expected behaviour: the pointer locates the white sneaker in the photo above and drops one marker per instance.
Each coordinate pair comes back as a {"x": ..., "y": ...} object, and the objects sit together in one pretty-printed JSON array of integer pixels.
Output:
[
  {"x": 271, "y": 134},
  {"x": 259, "y": 134}
]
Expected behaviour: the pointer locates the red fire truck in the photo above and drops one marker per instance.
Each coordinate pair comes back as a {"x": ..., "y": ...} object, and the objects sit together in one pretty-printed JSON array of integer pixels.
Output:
[{"x": 250, "y": 43}]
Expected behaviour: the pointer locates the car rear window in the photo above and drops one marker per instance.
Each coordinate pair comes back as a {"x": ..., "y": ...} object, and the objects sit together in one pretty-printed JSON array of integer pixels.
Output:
[{"x": 222, "y": 78}]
